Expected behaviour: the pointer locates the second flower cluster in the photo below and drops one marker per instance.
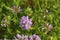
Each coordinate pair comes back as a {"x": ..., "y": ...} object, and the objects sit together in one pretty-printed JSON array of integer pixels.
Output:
[{"x": 24, "y": 37}]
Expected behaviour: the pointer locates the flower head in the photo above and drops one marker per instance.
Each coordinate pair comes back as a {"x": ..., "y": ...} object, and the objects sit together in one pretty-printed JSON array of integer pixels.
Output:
[
  {"x": 3, "y": 23},
  {"x": 21, "y": 37},
  {"x": 34, "y": 37},
  {"x": 18, "y": 36},
  {"x": 50, "y": 27},
  {"x": 25, "y": 22},
  {"x": 5, "y": 38},
  {"x": 15, "y": 9},
  {"x": 24, "y": 37}
]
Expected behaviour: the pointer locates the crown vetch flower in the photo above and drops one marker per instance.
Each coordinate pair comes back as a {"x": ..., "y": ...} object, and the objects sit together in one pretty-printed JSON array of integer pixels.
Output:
[
  {"x": 3, "y": 23},
  {"x": 25, "y": 22},
  {"x": 50, "y": 27},
  {"x": 34, "y": 37},
  {"x": 24, "y": 37},
  {"x": 16, "y": 9},
  {"x": 18, "y": 36},
  {"x": 21, "y": 37}
]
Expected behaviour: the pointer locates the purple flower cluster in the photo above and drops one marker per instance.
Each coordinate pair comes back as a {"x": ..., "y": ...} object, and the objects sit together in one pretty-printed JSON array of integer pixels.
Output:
[
  {"x": 15, "y": 9},
  {"x": 34, "y": 37},
  {"x": 22, "y": 37},
  {"x": 25, "y": 22}
]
